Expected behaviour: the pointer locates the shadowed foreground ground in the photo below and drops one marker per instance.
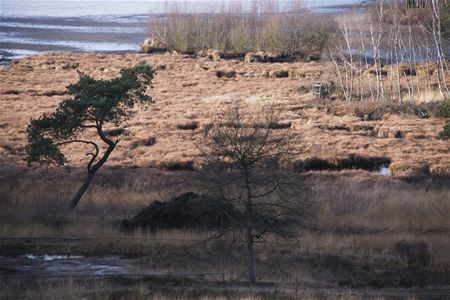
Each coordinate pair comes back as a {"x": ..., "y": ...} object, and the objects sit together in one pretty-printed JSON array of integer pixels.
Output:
[{"x": 348, "y": 249}]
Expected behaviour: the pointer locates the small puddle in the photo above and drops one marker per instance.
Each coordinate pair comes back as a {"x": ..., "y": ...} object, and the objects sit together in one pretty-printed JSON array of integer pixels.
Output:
[
  {"x": 34, "y": 265},
  {"x": 383, "y": 170},
  {"x": 52, "y": 257}
]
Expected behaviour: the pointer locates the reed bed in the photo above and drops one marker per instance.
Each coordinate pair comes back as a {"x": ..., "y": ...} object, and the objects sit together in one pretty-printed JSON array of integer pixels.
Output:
[{"x": 237, "y": 28}]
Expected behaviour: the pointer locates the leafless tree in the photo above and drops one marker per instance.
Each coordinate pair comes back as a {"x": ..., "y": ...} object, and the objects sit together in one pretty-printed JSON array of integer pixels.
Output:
[
  {"x": 246, "y": 164},
  {"x": 436, "y": 30},
  {"x": 402, "y": 40},
  {"x": 376, "y": 34},
  {"x": 341, "y": 53}
]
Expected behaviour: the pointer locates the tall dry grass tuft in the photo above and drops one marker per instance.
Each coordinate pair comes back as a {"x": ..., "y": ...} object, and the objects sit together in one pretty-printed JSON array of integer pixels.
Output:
[{"x": 238, "y": 28}]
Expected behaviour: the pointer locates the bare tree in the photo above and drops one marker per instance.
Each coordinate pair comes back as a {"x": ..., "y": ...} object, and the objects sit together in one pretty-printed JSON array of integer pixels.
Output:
[
  {"x": 341, "y": 54},
  {"x": 436, "y": 30},
  {"x": 376, "y": 33},
  {"x": 246, "y": 164}
]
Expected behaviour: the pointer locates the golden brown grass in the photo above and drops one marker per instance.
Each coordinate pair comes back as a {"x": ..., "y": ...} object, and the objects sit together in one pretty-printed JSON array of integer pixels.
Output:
[
  {"x": 238, "y": 28},
  {"x": 359, "y": 215},
  {"x": 364, "y": 216},
  {"x": 178, "y": 103}
]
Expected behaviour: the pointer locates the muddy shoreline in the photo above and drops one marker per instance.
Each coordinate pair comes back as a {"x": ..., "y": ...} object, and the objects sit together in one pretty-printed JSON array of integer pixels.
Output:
[{"x": 126, "y": 271}]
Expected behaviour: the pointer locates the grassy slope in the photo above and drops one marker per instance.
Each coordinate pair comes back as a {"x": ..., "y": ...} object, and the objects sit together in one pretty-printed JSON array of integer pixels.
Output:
[{"x": 188, "y": 91}]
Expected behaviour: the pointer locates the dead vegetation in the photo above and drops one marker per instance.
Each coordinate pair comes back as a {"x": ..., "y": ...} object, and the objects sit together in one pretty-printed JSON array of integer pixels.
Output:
[
  {"x": 180, "y": 289},
  {"x": 261, "y": 31},
  {"x": 329, "y": 128},
  {"x": 370, "y": 232}
]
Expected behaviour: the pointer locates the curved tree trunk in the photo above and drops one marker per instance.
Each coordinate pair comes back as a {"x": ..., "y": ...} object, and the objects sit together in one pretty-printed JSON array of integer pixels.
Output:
[{"x": 91, "y": 173}]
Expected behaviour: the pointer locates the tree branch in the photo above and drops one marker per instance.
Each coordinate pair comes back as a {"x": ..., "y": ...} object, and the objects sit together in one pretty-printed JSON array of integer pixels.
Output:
[
  {"x": 88, "y": 126},
  {"x": 94, "y": 155},
  {"x": 78, "y": 141}
]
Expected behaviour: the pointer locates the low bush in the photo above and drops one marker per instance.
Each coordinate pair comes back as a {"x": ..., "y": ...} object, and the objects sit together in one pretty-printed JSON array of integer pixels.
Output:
[
  {"x": 353, "y": 161},
  {"x": 226, "y": 74},
  {"x": 115, "y": 132},
  {"x": 150, "y": 141},
  {"x": 280, "y": 125},
  {"x": 178, "y": 166},
  {"x": 415, "y": 254},
  {"x": 188, "y": 126}
]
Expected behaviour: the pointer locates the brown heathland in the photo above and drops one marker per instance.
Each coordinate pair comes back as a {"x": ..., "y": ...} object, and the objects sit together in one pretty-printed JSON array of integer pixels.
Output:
[
  {"x": 361, "y": 217},
  {"x": 189, "y": 91}
]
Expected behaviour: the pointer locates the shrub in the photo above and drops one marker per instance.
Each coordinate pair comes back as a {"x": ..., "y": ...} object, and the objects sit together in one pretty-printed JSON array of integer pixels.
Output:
[
  {"x": 178, "y": 166},
  {"x": 115, "y": 132},
  {"x": 150, "y": 141},
  {"x": 280, "y": 125},
  {"x": 443, "y": 110},
  {"x": 188, "y": 126},
  {"x": 415, "y": 254},
  {"x": 226, "y": 74},
  {"x": 353, "y": 161}
]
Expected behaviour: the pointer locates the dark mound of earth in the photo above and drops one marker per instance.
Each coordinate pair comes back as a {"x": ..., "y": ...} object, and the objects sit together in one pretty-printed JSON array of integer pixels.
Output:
[{"x": 187, "y": 211}]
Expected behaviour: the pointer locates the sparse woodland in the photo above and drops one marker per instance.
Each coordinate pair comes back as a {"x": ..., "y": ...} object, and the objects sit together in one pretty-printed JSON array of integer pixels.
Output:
[{"x": 400, "y": 55}]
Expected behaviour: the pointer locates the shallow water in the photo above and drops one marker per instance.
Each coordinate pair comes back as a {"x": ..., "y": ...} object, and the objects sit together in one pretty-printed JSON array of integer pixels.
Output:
[
  {"x": 63, "y": 266},
  {"x": 108, "y": 8},
  {"x": 66, "y": 265},
  {"x": 30, "y": 26},
  {"x": 383, "y": 170}
]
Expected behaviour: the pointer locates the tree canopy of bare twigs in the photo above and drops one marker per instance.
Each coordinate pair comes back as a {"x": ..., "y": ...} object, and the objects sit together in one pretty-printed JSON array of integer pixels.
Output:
[{"x": 247, "y": 163}]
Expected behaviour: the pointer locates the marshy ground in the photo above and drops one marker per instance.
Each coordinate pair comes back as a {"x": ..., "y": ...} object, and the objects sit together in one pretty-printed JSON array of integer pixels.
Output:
[
  {"x": 189, "y": 94},
  {"x": 353, "y": 249}
]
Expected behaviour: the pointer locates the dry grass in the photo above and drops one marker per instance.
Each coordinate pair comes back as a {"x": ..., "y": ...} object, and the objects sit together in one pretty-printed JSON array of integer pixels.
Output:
[
  {"x": 350, "y": 243},
  {"x": 162, "y": 290},
  {"x": 238, "y": 28},
  {"x": 359, "y": 224},
  {"x": 416, "y": 150},
  {"x": 364, "y": 216}
]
